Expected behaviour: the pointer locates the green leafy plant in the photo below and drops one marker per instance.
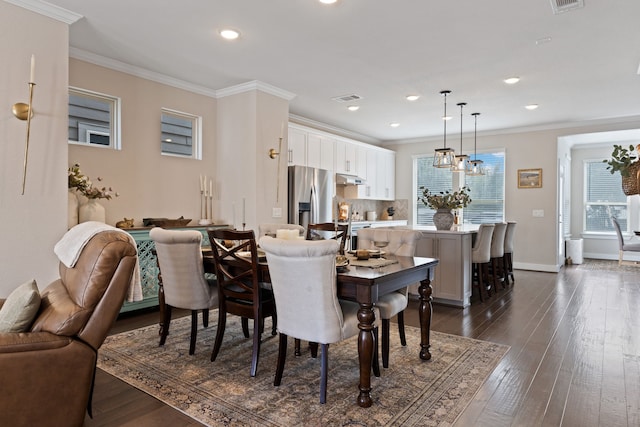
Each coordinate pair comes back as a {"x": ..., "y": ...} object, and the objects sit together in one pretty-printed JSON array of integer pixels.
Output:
[
  {"x": 83, "y": 185},
  {"x": 621, "y": 159},
  {"x": 446, "y": 199}
]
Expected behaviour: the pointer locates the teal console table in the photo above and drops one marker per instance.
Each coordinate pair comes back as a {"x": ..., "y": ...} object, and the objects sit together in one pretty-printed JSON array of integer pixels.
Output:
[{"x": 148, "y": 265}]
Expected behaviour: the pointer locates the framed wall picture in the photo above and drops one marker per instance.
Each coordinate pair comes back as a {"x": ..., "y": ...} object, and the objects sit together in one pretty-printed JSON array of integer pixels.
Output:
[{"x": 529, "y": 178}]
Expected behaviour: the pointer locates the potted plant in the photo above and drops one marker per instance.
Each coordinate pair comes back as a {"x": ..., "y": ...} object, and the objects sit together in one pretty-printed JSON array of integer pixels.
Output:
[
  {"x": 443, "y": 202},
  {"x": 624, "y": 161}
]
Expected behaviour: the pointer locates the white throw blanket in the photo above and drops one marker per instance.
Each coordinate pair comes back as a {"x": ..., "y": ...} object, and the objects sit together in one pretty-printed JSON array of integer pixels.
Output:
[{"x": 68, "y": 250}]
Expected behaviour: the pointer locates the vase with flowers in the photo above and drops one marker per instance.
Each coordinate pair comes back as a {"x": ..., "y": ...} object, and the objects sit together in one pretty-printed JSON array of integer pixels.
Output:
[
  {"x": 91, "y": 209},
  {"x": 443, "y": 203}
]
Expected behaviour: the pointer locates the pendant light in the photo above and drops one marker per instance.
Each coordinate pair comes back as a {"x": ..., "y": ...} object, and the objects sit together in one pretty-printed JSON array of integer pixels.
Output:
[
  {"x": 444, "y": 157},
  {"x": 476, "y": 165},
  {"x": 461, "y": 162}
]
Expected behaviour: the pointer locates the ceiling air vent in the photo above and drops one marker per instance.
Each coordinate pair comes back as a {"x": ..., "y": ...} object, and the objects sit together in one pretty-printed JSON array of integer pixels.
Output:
[
  {"x": 347, "y": 98},
  {"x": 560, "y": 6}
]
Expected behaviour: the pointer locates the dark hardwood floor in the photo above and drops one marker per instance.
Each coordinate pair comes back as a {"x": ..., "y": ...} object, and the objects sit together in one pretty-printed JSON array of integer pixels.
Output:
[{"x": 574, "y": 357}]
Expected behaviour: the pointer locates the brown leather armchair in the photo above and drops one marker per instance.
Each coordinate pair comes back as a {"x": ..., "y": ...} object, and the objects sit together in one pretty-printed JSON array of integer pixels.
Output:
[{"x": 47, "y": 373}]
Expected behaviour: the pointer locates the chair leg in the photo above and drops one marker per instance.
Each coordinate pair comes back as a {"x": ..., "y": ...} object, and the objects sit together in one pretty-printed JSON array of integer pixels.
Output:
[
  {"x": 274, "y": 326},
  {"x": 282, "y": 356},
  {"x": 485, "y": 278},
  {"x": 297, "y": 351},
  {"x": 257, "y": 328},
  {"x": 313, "y": 347},
  {"x": 510, "y": 266},
  {"x": 222, "y": 320},
  {"x": 194, "y": 331},
  {"x": 324, "y": 369},
  {"x": 205, "y": 317},
  {"x": 375, "y": 363},
  {"x": 619, "y": 259},
  {"x": 403, "y": 337},
  {"x": 245, "y": 327},
  {"x": 505, "y": 269},
  {"x": 166, "y": 322},
  {"x": 385, "y": 343},
  {"x": 479, "y": 283}
]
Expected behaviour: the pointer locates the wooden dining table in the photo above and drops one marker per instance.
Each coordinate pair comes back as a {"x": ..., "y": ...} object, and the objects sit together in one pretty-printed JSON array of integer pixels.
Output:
[{"x": 365, "y": 285}]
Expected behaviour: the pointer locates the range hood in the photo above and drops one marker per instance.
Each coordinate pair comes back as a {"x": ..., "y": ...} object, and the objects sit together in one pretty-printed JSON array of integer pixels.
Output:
[{"x": 343, "y": 179}]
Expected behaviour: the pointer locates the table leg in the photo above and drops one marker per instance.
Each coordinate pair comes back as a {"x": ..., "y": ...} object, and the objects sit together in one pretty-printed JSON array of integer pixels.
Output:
[
  {"x": 162, "y": 305},
  {"x": 425, "y": 310},
  {"x": 366, "y": 318}
]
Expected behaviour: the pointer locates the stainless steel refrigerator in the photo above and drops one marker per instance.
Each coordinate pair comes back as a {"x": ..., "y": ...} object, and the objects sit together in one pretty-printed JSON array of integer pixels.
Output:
[{"x": 311, "y": 195}]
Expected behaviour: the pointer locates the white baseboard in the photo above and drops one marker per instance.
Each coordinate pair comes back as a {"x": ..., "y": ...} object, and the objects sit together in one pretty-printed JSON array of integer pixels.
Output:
[{"x": 536, "y": 267}]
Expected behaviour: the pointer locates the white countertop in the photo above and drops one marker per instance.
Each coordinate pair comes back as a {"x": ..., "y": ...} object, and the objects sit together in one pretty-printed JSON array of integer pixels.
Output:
[{"x": 460, "y": 229}]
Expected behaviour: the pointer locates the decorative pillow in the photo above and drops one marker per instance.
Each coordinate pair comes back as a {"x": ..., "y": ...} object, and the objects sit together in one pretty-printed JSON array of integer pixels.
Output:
[{"x": 20, "y": 308}]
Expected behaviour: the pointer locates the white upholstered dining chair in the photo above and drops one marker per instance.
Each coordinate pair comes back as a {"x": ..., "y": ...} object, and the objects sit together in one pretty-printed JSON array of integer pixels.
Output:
[
  {"x": 303, "y": 277},
  {"x": 401, "y": 243},
  {"x": 480, "y": 258},
  {"x": 182, "y": 278},
  {"x": 622, "y": 246}
]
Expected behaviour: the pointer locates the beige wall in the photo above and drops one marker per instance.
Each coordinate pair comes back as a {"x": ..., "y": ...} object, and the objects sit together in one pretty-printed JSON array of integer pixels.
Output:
[
  {"x": 537, "y": 239},
  {"x": 249, "y": 124},
  {"x": 150, "y": 184},
  {"x": 32, "y": 223}
]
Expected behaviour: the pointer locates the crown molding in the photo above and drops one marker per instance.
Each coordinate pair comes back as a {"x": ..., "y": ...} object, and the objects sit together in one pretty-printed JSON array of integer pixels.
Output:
[
  {"x": 333, "y": 130},
  {"x": 112, "y": 64},
  {"x": 48, "y": 9},
  {"x": 255, "y": 85}
]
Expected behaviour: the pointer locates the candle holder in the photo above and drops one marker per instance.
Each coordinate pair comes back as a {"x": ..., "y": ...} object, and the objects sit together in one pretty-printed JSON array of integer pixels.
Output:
[{"x": 24, "y": 111}]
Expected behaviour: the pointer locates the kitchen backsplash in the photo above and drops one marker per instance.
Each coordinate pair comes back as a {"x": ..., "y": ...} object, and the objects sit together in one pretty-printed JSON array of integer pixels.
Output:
[{"x": 380, "y": 207}]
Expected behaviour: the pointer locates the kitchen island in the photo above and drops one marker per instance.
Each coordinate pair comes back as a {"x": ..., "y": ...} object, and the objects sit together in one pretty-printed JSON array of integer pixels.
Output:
[{"x": 452, "y": 281}]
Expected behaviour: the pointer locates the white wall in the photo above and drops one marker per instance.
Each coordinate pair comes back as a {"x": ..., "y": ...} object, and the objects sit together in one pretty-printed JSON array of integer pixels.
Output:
[{"x": 32, "y": 223}]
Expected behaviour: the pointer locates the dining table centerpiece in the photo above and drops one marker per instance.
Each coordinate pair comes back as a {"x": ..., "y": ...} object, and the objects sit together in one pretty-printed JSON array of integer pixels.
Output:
[
  {"x": 90, "y": 209},
  {"x": 444, "y": 202}
]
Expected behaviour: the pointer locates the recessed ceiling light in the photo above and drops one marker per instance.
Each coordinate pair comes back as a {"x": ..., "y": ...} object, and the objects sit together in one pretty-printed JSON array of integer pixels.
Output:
[
  {"x": 412, "y": 97},
  {"x": 394, "y": 124},
  {"x": 512, "y": 80},
  {"x": 229, "y": 34},
  {"x": 328, "y": 1},
  {"x": 353, "y": 107},
  {"x": 531, "y": 106}
]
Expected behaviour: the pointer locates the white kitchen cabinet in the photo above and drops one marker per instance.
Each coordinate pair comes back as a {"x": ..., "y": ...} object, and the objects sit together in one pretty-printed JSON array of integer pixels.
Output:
[
  {"x": 452, "y": 282},
  {"x": 320, "y": 151},
  {"x": 386, "y": 175},
  {"x": 297, "y": 151},
  {"x": 346, "y": 157}
]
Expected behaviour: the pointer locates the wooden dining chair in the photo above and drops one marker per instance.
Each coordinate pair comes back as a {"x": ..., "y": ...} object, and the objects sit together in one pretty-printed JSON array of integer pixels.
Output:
[
  {"x": 303, "y": 276},
  {"x": 182, "y": 281},
  {"x": 235, "y": 255},
  {"x": 329, "y": 230},
  {"x": 401, "y": 243}
]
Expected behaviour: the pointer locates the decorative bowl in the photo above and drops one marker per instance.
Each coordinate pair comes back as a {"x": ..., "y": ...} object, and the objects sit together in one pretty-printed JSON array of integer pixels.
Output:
[{"x": 165, "y": 222}]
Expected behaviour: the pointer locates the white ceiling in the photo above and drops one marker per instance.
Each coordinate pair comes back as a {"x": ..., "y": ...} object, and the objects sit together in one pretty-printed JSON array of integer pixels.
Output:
[{"x": 585, "y": 69}]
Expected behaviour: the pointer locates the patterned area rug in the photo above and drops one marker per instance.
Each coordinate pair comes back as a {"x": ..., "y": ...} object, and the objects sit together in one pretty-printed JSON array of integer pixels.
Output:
[
  {"x": 607, "y": 265},
  {"x": 410, "y": 393}
]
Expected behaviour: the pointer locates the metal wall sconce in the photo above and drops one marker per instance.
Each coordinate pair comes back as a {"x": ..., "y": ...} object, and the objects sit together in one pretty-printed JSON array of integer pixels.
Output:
[{"x": 25, "y": 112}]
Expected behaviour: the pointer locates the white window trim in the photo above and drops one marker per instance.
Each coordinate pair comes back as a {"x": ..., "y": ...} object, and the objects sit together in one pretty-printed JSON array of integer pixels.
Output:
[
  {"x": 197, "y": 134},
  {"x": 633, "y": 210},
  {"x": 116, "y": 103}
]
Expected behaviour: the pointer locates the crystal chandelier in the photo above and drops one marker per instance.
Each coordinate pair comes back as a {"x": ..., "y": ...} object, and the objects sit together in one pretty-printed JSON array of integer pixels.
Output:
[{"x": 444, "y": 157}]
